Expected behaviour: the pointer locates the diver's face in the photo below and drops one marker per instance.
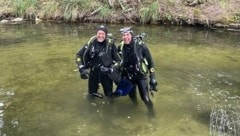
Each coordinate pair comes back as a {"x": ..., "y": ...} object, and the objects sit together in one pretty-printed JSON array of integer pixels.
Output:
[
  {"x": 127, "y": 37},
  {"x": 101, "y": 36}
]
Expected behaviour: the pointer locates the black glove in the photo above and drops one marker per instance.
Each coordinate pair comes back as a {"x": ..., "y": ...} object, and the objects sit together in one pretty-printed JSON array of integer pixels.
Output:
[
  {"x": 153, "y": 82},
  {"x": 106, "y": 69},
  {"x": 83, "y": 72}
]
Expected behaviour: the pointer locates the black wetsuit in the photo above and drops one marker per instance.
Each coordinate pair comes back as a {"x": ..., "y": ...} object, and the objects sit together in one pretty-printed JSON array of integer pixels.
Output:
[
  {"x": 94, "y": 56},
  {"x": 131, "y": 55}
]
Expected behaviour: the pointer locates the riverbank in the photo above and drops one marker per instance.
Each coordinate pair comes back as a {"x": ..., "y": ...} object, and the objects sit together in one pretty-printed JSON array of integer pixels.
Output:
[{"x": 212, "y": 14}]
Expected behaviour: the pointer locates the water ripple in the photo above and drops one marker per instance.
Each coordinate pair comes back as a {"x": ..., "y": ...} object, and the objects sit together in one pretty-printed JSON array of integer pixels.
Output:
[{"x": 4, "y": 102}]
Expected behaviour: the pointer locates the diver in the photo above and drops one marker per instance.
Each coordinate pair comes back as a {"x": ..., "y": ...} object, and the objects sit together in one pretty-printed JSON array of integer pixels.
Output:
[
  {"x": 99, "y": 56},
  {"x": 136, "y": 64}
]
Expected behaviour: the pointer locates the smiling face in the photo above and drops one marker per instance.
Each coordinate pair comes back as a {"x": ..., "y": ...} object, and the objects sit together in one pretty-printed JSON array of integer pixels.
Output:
[
  {"x": 127, "y": 37},
  {"x": 101, "y": 36}
]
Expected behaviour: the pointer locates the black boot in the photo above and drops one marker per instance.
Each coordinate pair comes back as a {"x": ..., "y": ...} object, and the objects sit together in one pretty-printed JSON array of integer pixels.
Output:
[
  {"x": 150, "y": 108},
  {"x": 99, "y": 95}
]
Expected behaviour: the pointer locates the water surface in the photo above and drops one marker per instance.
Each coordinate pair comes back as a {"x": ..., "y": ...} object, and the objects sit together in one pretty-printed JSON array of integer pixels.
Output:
[{"x": 41, "y": 93}]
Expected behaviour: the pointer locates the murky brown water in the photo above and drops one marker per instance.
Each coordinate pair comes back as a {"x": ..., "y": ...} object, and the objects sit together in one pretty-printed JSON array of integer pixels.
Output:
[{"x": 41, "y": 93}]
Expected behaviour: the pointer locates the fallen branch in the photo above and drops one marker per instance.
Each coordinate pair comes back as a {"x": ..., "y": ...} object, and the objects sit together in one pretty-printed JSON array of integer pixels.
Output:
[
  {"x": 96, "y": 11},
  {"x": 128, "y": 18}
]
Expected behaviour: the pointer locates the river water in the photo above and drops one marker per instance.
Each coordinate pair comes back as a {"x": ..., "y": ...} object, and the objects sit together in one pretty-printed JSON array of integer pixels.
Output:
[{"x": 41, "y": 93}]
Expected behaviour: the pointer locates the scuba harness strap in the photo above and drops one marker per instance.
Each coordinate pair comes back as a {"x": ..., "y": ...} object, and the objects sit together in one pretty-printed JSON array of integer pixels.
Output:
[
  {"x": 87, "y": 48},
  {"x": 142, "y": 64}
]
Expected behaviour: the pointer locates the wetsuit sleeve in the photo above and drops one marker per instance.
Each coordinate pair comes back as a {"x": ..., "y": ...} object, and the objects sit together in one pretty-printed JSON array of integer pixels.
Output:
[
  {"x": 79, "y": 55},
  {"x": 148, "y": 56}
]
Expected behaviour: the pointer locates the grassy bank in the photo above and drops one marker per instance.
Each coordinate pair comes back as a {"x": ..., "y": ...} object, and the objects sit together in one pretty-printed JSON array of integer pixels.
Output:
[{"x": 192, "y": 12}]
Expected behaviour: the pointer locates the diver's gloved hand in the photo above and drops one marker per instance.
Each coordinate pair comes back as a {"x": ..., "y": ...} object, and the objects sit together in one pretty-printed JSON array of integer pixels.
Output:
[
  {"x": 83, "y": 72},
  {"x": 153, "y": 82},
  {"x": 106, "y": 69}
]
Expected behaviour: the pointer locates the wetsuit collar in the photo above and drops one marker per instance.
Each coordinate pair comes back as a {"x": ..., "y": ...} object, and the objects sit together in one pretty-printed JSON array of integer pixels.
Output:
[
  {"x": 130, "y": 45},
  {"x": 101, "y": 43}
]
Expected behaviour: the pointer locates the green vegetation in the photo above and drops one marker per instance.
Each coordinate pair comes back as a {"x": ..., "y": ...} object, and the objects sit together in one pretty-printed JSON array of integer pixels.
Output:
[
  {"x": 71, "y": 8},
  {"x": 50, "y": 10},
  {"x": 222, "y": 3},
  {"x": 105, "y": 12},
  {"x": 25, "y": 7},
  {"x": 189, "y": 12},
  {"x": 149, "y": 13}
]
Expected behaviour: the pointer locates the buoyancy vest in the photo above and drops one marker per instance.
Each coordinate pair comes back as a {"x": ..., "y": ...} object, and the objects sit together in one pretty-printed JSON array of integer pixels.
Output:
[
  {"x": 141, "y": 62},
  {"x": 103, "y": 54}
]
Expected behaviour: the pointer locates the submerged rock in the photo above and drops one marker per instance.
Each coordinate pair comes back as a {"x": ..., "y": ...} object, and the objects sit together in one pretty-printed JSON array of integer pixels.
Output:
[
  {"x": 4, "y": 21},
  {"x": 18, "y": 19}
]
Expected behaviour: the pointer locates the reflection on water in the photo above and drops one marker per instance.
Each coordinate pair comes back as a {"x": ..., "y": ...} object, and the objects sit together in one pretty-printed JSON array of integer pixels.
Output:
[
  {"x": 41, "y": 92},
  {"x": 5, "y": 96}
]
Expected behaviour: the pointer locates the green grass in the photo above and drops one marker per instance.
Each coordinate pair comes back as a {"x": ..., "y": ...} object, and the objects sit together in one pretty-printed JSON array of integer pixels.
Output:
[
  {"x": 105, "y": 12},
  {"x": 22, "y": 6},
  {"x": 149, "y": 13}
]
